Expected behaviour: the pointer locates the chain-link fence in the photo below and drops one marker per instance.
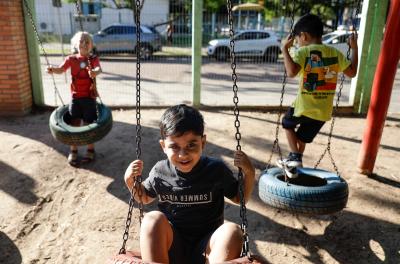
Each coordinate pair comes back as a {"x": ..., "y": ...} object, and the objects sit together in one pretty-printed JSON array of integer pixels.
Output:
[{"x": 166, "y": 70}]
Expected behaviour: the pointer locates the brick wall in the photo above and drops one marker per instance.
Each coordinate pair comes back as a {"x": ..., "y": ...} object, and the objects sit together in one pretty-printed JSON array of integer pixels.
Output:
[{"x": 15, "y": 82}]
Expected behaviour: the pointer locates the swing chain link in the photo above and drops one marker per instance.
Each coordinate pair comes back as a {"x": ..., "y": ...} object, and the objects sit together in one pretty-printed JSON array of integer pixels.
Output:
[
  {"x": 136, "y": 189},
  {"x": 275, "y": 146},
  {"x": 335, "y": 109},
  {"x": 29, "y": 12},
  {"x": 138, "y": 181},
  {"x": 127, "y": 223},
  {"x": 78, "y": 4},
  {"x": 243, "y": 226}
]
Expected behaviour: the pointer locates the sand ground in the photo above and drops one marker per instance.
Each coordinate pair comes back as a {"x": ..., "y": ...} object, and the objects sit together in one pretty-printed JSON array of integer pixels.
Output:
[{"x": 51, "y": 212}]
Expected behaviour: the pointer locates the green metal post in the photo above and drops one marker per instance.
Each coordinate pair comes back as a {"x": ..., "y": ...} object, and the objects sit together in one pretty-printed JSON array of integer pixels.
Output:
[
  {"x": 34, "y": 57},
  {"x": 197, "y": 20},
  {"x": 370, "y": 38}
]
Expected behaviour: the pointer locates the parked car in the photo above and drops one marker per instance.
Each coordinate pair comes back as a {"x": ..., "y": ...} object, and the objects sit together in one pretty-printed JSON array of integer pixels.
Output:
[
  {"x": 248, "y": 43},
  {"x": 120, "y": 38},
  {"x": 337, "y": 39}
]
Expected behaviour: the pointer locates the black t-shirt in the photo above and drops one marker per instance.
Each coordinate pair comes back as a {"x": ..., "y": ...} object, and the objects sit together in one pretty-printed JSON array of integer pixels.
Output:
[{"x": 193, "y": 202}]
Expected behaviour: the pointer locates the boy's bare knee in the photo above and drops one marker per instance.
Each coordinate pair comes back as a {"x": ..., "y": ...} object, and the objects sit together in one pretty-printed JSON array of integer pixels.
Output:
[
  {"x": 154, "y": 222},
  {"x": 225, "y": 243},
  {"x": 232, "y": 227},
  {"x": 233, "y": 230},
  {"x": 229, "y": 232},
  {"x": 155, "y": 237},
  {"x": 154, "y": 219}
]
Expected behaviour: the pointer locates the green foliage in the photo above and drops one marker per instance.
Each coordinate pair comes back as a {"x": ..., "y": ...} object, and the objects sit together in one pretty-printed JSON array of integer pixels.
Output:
[{"x": 214, "y": 5}]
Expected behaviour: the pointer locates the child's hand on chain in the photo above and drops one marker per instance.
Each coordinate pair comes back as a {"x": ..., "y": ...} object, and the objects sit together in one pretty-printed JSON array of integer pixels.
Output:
[{"x": 134, "y": 170}]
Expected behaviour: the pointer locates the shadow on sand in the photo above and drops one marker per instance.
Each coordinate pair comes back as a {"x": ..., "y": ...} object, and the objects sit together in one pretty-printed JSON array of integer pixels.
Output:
[
  {"x": 9, "y": 252},
  {"x": 346, "y": 243}
]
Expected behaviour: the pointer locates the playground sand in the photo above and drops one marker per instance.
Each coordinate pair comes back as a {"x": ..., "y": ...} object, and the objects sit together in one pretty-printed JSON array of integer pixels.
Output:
[{"x": 51, "y": 212}]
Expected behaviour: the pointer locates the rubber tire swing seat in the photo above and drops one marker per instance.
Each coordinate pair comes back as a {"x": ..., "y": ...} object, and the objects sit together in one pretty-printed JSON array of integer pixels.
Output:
[
  {"x": 132, "y": 257},
  {"x": 314, "y": 192},
  {"x": 83, "y": 135}
]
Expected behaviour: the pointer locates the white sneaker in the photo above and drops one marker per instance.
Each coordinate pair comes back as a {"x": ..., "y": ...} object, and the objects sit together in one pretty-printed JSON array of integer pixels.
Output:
[
  {"x": 281, "y": 163},
  {"x": 290, "y": 166},
  {"x": 291, "y": 172}
]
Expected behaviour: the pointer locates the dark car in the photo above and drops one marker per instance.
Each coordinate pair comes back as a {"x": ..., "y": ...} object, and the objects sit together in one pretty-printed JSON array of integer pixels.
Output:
[{"x": 120, "y": 38}]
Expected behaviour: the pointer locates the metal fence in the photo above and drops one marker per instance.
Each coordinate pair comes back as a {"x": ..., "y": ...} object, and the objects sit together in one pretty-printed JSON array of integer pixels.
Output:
[{"x": 166, "y": 76}]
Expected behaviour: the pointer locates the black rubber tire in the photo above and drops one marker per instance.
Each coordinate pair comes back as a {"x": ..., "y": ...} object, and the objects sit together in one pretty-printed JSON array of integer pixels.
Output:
[
  {"x": 83, "y": 135},
  {"x": 314, "y": 192}
]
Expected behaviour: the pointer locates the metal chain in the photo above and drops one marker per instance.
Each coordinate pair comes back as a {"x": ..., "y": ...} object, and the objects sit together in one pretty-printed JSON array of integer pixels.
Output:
[
  {"x": 80, "y": 16},
  {"x": 136, "y": 189},
  {"x": 245, "y": 248},
  {"x": 275, "y": 146},
  {"x": 336, "y": 108},
  {"x": 127, "y": 223},
  {"x": 28, "y": 10},
  {"x": 138, "y": 116}
]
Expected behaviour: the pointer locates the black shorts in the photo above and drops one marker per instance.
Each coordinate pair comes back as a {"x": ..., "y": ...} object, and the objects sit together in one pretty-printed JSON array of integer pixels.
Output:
[
  {"x": 83, "y": 108},
  {"x": 308, "y": 127},
  {"x": 186, "y": 250}
]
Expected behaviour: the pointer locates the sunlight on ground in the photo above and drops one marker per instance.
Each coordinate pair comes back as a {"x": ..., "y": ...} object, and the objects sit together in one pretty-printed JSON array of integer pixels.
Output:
[{"x": 377, "y": 249}]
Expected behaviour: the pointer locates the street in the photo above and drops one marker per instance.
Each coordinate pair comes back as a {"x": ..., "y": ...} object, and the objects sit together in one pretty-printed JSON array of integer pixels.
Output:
[{"x": 167, "y": 81}]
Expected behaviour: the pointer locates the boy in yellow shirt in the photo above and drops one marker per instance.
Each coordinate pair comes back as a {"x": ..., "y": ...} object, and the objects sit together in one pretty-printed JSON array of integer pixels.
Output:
[{"x": 317, "y": 66}]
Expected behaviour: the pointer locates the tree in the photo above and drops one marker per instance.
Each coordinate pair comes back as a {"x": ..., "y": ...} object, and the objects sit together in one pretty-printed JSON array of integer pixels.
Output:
[{"x": 214, "y": 5}]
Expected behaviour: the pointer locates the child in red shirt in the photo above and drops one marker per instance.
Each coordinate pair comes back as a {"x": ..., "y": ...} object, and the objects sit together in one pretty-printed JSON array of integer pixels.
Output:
[{"x": 84, "y": 68}]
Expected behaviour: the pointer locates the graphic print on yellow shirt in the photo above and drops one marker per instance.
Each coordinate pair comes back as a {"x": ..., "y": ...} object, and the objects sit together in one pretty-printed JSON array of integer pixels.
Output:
[{"x": 320, "y": 66}]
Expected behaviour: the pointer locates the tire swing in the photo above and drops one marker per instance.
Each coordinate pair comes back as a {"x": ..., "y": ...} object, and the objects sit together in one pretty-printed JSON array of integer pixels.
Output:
[
  {"x": 315, "y": 191},
  {"x": 60, "y": 118}
]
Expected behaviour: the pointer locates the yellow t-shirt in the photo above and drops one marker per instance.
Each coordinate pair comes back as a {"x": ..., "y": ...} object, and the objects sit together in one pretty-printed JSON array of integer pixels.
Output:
[{"x": 320, "y": 65}]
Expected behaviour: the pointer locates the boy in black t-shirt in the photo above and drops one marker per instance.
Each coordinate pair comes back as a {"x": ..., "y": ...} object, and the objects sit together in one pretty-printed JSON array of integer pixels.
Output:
[{"x": 189, "y": 226}]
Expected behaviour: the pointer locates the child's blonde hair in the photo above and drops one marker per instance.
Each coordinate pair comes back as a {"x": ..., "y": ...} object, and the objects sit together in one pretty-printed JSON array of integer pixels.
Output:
[{"x": 76, "y": 39}]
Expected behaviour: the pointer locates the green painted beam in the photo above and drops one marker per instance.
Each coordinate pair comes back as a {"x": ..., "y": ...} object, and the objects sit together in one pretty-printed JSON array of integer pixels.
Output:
[
  {"x": 197, "y": 20},
  {"x": 33, "y": 56},
  {"x": 371, "y": 32}
]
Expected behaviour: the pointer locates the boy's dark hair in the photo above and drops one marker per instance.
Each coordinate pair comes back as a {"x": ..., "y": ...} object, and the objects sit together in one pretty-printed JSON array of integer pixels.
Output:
[
  {"x": 316, "y": 52},
  {"x": 179, "y": 119},
  {"x": 311, "y": 24}
]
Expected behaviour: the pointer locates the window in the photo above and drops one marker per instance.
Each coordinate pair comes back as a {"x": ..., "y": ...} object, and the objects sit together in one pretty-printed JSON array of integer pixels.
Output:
[
  {"x": 246, "y": 36},
  {"x": 111, "y": 30},
  {"x": 91, "y": 8},
  {"x": 129, "y": 30},
  {"x": 145, "y": 30},
  {"x": 343, "y": 39},
  {"x": 263, "y": 35},
  {"x": 252, "y": 35}
]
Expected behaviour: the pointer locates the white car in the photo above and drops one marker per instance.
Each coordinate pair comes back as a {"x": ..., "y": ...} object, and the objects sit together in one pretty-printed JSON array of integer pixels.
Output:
[
  {"x": 248, "y": 43},
  {"x": 337, "y": 39}
]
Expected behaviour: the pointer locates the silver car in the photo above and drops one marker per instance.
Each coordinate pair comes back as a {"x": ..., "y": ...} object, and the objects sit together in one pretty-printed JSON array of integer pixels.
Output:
[
  {"x": 121, "y": 38},
  {"x": 248, "y": 43},
  {"x": 337, "y": 39}
]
